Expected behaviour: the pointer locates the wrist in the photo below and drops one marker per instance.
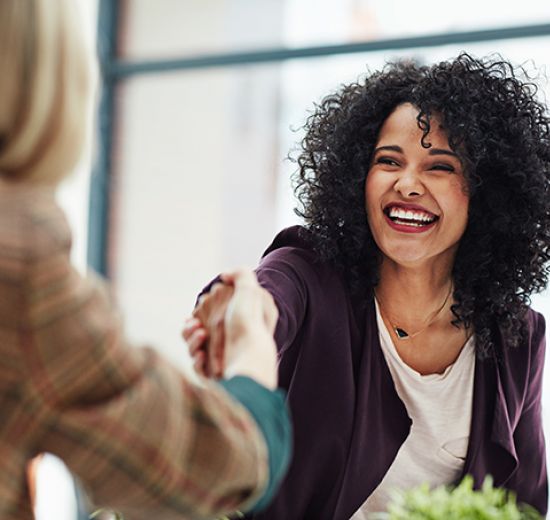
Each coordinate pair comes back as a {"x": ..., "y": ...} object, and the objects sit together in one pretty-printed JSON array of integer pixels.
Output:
[{"x": 254, "y": 356}]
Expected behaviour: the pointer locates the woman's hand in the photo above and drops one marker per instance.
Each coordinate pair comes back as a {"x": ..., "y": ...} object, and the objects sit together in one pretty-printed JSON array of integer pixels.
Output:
[
  {"x": 195, "y": 335},
  {"x": 204, "y": 332},
  {"x": 231, "y": 332}
]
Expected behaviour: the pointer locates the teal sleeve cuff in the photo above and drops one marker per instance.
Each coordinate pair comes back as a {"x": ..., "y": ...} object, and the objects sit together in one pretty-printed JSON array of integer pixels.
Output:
[{"x": 271, "y": 414}]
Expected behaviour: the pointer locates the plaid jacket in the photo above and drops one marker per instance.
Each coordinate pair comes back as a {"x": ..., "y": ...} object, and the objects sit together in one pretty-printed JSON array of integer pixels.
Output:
[{"x": 142, "y": 438}]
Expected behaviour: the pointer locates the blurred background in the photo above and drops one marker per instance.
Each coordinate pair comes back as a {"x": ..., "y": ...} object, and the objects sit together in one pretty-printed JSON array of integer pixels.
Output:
[{"x": 199, "y": 105}]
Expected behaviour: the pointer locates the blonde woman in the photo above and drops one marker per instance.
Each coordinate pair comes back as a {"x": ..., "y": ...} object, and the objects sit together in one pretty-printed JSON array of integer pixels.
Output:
[{"x": 141, "y": 437}]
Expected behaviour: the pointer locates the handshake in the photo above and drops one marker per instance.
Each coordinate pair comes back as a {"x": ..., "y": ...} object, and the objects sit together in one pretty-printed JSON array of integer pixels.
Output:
[{"x": 231, "y": 331}]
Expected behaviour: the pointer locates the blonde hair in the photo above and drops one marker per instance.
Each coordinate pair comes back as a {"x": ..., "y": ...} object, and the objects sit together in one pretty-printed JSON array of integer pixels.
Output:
[{"x": 46, "y": 80}]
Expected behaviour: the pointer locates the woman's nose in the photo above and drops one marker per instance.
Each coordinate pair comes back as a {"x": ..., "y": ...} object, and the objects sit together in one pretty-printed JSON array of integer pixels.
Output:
[{"x": 409, "y": 184}]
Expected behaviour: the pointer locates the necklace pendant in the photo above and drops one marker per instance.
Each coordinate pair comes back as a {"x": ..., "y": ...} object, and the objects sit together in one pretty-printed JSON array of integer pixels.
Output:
[{"x": 400, "y": 333}]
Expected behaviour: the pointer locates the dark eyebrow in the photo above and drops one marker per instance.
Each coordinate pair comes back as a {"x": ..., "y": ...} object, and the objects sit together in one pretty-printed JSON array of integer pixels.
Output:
[
  {"x": 433, "y": 151},
  {"x": 391, "y": 148},
  {"x": 441, "y": 151}
]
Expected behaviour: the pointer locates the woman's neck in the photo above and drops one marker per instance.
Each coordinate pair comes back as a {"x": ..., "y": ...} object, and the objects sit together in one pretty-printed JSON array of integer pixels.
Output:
[{"x": 412, "y": 294}]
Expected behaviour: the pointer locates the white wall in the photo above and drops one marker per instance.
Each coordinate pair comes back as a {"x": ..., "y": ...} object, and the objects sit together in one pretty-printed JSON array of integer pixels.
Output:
[{"x": 195, "y": 165}]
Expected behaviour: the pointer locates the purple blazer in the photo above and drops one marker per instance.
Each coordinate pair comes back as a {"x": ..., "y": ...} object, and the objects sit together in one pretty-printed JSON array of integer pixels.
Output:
[{"x": 349, "y": 422}]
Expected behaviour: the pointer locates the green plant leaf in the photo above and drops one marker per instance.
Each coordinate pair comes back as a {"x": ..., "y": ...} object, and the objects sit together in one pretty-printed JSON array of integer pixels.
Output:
[{"x": 459, "y": 503}]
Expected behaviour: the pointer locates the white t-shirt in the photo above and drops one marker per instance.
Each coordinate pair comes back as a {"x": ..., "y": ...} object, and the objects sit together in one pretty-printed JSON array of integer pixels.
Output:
[{"x": 440, "y": 406}]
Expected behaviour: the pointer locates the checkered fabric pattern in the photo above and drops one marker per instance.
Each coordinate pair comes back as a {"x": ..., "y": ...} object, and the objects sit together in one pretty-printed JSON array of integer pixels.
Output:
[{"x": 140, "y": 436}]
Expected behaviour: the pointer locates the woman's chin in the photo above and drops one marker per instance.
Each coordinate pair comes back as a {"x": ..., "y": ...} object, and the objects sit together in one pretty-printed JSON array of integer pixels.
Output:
[
  {"x": 407, "y": 261},
  {"x": 411, "y": 257}
]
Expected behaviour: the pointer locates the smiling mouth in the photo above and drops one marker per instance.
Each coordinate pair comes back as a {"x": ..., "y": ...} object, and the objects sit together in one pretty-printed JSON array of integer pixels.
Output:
[{"x": 407, "y": 217}]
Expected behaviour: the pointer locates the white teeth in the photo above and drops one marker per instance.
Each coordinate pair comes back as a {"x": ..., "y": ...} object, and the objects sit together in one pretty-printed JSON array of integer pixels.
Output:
[
  {"x": 414, "y": 218},
  {"x": 412, "y": 224}
]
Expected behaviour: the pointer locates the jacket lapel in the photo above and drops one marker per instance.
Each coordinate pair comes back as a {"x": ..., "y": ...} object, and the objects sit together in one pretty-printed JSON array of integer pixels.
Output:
[
  {"x": 491, "y": 449},
  {"x": 381, "y": 424}
]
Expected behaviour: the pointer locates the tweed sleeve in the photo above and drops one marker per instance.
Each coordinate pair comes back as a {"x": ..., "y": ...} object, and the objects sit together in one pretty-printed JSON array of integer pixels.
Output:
[
  {"x": 276, "y": 428},
  {"x": 140, "y": 436}
]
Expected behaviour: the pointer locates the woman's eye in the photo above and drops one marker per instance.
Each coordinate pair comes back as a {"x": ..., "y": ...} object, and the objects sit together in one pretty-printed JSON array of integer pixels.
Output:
[
  {"x": 386, "y": 160},
  {"x": 443, "y": 167}
]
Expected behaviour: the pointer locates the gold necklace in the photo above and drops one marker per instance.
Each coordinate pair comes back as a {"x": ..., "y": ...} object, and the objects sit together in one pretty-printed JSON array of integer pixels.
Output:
[{"x": 400, "y": 332}]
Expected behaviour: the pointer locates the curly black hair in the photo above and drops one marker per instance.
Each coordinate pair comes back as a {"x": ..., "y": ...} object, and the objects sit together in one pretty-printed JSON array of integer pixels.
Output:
[{"x": 501, "y": 132}]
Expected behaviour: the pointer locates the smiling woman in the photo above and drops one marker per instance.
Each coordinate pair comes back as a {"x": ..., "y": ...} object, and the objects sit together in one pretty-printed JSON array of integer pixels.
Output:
[
  {"x": 417, "y": 210},
  {"x": 416, "y": 198},
  {"x": 405, "y": 338}
]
